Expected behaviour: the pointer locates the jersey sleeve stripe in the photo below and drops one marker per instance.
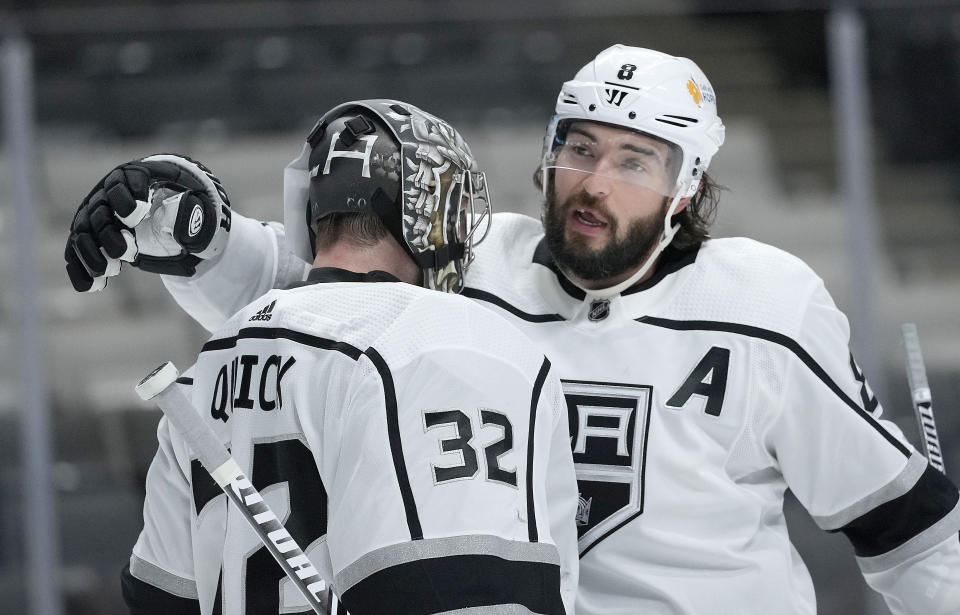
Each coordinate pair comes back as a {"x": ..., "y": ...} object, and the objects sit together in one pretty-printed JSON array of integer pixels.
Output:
[
  {"x": 534, "y": 403},
  {"x": 447, "y": 546},
  {"x": 945, "y": 529},
  {"x": 161, "y": 579},
  {"x": 143, "y": 598},
  {"x": 925, "y": 515},
  {"x": 791, "y": 345},
  {"x": 459, "y": 574},
  {"x": 482, "y": 295},
  {"x": 270, "y": 333},
  {"x": 904, "y": 482},
  {"x": 396, "y": 446}
]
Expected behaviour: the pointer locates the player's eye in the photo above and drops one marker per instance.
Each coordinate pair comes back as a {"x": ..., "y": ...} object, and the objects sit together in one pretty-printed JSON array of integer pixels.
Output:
[
  {"x": 634, "y": 165},
  {"x": 580, "y": 149}
]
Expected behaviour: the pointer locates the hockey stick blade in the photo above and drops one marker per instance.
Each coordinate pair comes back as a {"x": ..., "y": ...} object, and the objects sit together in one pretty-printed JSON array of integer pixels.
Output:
[
  {"x": 158, "y": 387},
  {"x": 920, "y": 395}
]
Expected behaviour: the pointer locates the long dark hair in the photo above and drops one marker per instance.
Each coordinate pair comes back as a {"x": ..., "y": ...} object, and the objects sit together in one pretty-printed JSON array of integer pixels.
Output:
[{"x": 697, "y": 218}]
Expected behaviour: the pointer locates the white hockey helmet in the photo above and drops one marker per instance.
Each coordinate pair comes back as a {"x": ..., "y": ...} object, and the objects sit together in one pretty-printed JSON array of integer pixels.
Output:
[{"x": 650, "y": 92}]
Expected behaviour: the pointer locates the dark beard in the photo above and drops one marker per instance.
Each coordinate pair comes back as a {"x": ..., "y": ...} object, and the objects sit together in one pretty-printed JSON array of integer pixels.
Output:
[{"x": 617, "y": 257}]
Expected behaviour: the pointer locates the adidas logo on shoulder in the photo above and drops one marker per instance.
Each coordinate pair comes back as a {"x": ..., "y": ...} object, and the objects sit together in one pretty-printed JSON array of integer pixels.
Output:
[{"x": 266, "y": 313}]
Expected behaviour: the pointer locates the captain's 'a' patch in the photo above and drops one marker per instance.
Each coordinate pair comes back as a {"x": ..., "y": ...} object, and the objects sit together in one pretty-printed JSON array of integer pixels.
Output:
[{"x": 707, "y": 381}]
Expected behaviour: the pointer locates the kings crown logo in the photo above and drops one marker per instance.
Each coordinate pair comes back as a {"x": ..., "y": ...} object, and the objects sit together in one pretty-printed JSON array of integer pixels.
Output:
[{"x": 583, "y": 510}]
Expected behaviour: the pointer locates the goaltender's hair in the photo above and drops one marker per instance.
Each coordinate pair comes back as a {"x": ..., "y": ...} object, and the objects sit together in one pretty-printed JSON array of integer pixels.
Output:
[{"x": 362, "y": 230}]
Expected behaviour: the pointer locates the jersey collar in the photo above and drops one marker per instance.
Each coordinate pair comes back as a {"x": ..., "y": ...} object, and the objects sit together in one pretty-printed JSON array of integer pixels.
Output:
[
  {"x": 320, "y": 275},
  {"x": 671, "y": 260}
]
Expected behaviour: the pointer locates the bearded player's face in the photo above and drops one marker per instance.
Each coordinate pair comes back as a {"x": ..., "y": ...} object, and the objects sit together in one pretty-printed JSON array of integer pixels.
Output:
[{"x": 607, "y": 200}]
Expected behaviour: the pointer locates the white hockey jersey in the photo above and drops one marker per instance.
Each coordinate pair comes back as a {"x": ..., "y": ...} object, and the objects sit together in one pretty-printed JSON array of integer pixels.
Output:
[
  {"x": 695, "y": 399},
  {"x": 414, "y": 444}
]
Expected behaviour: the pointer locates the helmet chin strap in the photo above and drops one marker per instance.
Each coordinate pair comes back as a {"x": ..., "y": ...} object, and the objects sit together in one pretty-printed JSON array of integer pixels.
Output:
[{"x": 665, "y": 239}]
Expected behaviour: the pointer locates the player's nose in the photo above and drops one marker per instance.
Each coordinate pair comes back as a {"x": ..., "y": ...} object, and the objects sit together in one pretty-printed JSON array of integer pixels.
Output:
[{"x": 597, "y": 185}]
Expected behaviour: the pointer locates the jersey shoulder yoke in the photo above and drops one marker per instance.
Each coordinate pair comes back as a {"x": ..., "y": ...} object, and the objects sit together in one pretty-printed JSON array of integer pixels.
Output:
[{"x": 743, "y": 281}]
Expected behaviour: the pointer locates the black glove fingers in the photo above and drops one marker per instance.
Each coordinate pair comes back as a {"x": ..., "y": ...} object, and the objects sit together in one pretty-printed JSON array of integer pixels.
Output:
[
  {"x": 79, "y": 278},
  {"x": 97, "y": 217},
  {"x": 160, "y": 170},
  {"x": 81, "y": 221},
  {"x": 173, "y": 173},
  {"x": 113, "y": 178},
  {"x": 120, "y": 200},
  {"x": 112, "y": 240},
  {"x": 137, "y": 180},
  {"x": 89, "y": 253}
]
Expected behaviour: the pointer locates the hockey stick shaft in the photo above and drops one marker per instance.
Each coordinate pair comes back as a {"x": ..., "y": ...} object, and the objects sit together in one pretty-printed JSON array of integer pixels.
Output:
[
  {"x": 920, "y": 395},
  {"x": 159, "y": 387}
]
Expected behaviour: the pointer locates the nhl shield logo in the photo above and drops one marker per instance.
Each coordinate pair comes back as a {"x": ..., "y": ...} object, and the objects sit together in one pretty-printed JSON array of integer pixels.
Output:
[
  {"x": 599, "y": 310},
  {"x": 609, "y": 423}
]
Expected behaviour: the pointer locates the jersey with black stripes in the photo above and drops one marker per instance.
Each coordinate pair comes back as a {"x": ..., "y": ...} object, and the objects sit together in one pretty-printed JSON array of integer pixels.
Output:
[
  {"x": 414, "y": 444},
  {"x": 695, "y": 399}
]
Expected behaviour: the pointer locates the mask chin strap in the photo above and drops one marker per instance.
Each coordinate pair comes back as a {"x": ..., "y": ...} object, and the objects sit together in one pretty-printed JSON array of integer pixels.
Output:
[{"x": 665, "y": 239}]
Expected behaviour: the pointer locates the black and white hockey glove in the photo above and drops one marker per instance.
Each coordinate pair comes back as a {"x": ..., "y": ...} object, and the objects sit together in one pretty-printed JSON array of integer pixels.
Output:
[{"x": 164, "y": 214}]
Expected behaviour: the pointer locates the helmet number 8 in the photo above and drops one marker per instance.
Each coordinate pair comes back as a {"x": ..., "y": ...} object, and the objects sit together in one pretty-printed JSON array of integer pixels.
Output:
[{"x": 626, "y": 72}]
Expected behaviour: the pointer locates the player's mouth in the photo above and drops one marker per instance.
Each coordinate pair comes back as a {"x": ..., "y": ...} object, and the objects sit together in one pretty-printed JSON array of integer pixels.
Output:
[{"x": 588, "y": 222}]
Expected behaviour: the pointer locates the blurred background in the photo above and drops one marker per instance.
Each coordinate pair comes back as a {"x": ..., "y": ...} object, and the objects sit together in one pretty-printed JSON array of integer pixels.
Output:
[{"x": 861, "y": 182}]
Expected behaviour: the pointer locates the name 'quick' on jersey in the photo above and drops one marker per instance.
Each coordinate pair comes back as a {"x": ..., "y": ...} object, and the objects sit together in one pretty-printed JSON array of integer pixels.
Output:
[{"x": 413, "y": 443}]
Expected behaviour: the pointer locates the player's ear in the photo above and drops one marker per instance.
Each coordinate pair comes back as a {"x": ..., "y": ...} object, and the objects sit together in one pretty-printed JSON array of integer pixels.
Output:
[
  {"x": 538, "y": 178},
  {"x": 683, "y": 203}
]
